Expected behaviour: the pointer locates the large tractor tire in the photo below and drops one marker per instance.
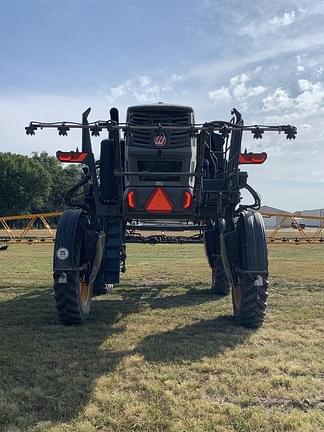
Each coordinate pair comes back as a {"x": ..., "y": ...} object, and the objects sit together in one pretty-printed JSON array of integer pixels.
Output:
[
  {"x": 220, "y": 284},
  {"x": 250, "y": 283},
  {"x": 72, "y": 288}
]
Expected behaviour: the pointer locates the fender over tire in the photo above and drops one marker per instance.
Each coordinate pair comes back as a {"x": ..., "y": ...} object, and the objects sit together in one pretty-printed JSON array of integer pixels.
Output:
[
  {"x": 72, "y": 268},
  {"x": 250, "y": 281}
]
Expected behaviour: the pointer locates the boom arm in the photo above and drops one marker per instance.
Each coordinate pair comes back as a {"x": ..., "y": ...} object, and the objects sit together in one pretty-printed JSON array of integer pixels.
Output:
[{"x": 223, "y": 127}]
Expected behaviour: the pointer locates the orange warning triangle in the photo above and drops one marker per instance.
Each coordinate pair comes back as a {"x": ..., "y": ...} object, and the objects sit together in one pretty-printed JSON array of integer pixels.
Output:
[{"x": 159, "y": 201}]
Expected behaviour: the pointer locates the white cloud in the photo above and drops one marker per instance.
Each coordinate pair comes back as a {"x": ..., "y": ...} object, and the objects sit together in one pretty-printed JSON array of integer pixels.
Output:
[
  {"x": 116, "y": 92},
  {"x": 239, "y": 79},
  {"x": 305, "y": 110},
  {"x": 145, "y": 81},
  {"x": 238, "y": 88},
  {"x": 304, "y": 85},
  {"x": 220, "y": 94},
  {"x": 143, "y": 89},
  {"x": 241, "y": 91},
  {"x": 277, "y": 101},
  {"x": 286, "y": 19},
  {"x": 257, "y": 29},
  {"x": 311, "y": 97}
]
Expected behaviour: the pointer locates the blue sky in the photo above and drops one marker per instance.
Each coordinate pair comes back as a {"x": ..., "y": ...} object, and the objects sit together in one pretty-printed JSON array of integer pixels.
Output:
[{"x": 265, "y": 58}]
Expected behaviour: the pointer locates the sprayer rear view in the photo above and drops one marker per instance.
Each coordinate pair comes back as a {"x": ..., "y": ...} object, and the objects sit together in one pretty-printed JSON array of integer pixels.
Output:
[{"x": 161, "y": 171}]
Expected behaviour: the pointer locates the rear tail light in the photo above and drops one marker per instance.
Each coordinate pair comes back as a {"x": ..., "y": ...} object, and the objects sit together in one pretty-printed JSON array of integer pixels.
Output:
[
  {"x": 187, "y": 200},
  {"x": 131, "y": 199},
  {"x": 71, "y": 157},
  {"x": 253, "y": 158}
]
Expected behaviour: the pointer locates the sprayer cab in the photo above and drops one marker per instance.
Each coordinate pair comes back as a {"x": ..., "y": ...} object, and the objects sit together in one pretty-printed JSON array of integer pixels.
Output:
[{"x": 160, "y": 163}]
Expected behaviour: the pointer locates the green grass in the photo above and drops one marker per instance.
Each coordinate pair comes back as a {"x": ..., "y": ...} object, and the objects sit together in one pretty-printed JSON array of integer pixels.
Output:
[{"x": 161, "y": 353}]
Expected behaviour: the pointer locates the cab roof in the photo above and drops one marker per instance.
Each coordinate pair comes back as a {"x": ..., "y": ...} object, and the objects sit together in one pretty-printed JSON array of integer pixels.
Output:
[{"x": 159, "y": 107}]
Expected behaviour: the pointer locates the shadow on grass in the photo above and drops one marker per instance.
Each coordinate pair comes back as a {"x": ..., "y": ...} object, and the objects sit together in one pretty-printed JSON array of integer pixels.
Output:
[
  {"x": 48, "y": 371},
  {"x": 190, "y": 343}
]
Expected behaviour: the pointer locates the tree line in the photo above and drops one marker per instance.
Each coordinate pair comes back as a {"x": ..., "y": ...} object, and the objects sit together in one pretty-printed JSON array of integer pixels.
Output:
[{"x": 34, "y": 184}]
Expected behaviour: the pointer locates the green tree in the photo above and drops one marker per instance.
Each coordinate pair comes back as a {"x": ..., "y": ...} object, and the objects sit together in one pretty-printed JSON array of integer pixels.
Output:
[
  {"x": 34, "y": 184},
  {"x": 24, "y": 186},
  {"x": 62, "y": 179}
]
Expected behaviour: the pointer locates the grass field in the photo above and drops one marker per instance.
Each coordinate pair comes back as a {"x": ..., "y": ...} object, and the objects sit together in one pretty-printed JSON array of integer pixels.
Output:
[{"x": 161, "y": 353}]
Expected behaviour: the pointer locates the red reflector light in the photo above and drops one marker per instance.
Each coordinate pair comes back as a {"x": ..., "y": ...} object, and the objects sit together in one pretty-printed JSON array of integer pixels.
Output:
[
  {"x": 72, "y": 157},
  {"x": 187, "y": 200},
  {"x": 253, "y": 158},
  {"x": 131, "y": 199},
  {"x": 159, "y": 201}
]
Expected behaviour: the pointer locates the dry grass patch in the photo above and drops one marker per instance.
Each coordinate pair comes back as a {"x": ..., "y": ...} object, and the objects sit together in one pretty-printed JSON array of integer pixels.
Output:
[{"x": 161, "y": 353}]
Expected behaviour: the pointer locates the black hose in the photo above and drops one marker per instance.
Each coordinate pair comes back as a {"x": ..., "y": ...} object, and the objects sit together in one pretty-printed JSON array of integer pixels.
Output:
[
  {"x": 70, "y": 193},
  {"x": 257, "y": 200}
]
